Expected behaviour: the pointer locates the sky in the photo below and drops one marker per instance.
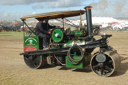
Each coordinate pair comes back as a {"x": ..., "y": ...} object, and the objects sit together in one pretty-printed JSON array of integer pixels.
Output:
[{"x": 14, "y": 9}]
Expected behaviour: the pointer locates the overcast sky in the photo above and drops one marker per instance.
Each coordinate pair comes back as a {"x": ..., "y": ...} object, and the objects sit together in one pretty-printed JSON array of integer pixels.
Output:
[{"x": 14, "y": 9}]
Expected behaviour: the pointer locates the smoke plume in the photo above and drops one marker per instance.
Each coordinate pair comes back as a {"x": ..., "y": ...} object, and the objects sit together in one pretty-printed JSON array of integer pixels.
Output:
[{"x": 114, "y": 8}]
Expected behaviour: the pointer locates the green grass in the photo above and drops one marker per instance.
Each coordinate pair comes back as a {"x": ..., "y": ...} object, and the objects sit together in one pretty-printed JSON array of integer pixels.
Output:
[{"x": 11, "y": 34}]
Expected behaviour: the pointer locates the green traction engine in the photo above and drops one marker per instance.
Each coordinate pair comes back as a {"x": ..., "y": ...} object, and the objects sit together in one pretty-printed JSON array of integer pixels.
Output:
[{"x": 72, "y": 49}]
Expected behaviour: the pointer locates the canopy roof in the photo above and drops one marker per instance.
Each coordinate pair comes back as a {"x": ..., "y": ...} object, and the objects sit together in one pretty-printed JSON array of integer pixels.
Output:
[{"x": 54, "y": 15}]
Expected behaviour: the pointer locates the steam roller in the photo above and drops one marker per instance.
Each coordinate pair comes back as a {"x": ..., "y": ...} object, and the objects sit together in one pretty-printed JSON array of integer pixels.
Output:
[
  {"x": 71, "y": 48},
  {"x": 105, "y": 63}
]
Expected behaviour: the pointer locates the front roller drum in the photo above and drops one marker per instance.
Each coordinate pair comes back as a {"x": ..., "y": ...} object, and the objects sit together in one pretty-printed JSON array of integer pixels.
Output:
[
  {"x": 105, "y": 64},
  {"x": 35, "y": 61}
]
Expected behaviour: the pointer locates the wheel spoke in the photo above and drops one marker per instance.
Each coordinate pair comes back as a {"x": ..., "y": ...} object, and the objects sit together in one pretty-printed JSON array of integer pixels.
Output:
[
  {"x": 96, "y": 66},
  {"x": 32, "y": 62},
  {"x": 27, "y": 58},
  {"x": 34, "y": 57},
  {"x": 110, "y": 61},
  {"x": 35, "y": 64},
  {"x": 102, "y": 68},
  {"x": 108, "y": 69},
  {"x": 36, "y": 60}
]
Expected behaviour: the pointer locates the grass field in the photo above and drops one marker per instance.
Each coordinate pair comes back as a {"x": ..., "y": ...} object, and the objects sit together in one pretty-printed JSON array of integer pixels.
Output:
[
  {"x": 12, "y": 34},
  {"x": 13, "y": 70}
]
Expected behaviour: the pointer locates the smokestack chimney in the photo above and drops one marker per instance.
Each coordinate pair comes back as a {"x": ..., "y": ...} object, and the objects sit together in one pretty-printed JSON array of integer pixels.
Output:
[{"x": 89, "y": 21}]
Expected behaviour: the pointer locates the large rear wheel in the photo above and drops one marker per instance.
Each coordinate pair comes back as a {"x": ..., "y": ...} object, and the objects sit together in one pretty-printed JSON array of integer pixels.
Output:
[{"x": 35, "y": 61}]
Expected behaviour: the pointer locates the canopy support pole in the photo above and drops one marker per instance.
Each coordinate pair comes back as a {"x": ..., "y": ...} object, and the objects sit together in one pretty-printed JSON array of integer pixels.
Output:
[
  {"x": 28, "y": 27},
  {"x": 63, "y": 22}
]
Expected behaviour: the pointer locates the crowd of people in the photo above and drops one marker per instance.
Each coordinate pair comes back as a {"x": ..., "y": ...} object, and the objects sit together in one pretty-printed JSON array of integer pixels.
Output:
[{"x": 10, "y": 26}]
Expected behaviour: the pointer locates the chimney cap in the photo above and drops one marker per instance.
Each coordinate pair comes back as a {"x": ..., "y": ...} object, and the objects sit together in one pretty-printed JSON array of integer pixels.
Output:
[{"x": 88, "y": 7}]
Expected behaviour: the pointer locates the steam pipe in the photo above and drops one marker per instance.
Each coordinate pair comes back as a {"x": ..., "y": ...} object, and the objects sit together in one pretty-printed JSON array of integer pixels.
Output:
[{"x": 89, "y": 21}]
